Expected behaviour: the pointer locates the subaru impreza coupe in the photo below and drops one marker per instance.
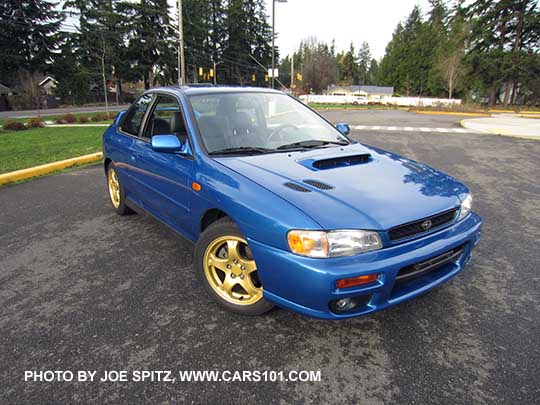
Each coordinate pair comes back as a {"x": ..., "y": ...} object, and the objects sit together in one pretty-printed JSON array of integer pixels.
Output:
[{"x": 284, "y": 208}]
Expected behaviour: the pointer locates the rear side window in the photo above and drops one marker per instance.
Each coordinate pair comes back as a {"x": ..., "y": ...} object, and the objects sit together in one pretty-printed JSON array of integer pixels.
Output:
[
  {"x": 165, "y": 119},
  {"x": 133, "y": 120}
]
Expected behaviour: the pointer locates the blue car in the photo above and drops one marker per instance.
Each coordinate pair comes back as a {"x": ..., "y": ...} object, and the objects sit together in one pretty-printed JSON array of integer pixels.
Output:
[{"x": 284, "y": 208}]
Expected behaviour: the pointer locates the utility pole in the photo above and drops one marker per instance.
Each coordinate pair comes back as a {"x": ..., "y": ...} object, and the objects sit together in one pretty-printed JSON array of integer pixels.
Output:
[
  {"x": 273, "y": 40},
  {"x": 181, "y": 62},
  {"x": 292, "y": 71},
  {"x": 215, "y": 73}
]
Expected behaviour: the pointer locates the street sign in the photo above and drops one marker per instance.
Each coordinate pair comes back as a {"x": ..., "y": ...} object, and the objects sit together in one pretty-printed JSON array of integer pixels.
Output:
[{"x": 276, "y": 73}]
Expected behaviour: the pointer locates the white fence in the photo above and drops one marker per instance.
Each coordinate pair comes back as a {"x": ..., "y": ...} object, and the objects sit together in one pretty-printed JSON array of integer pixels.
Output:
[{"x": 384, "y": 100}]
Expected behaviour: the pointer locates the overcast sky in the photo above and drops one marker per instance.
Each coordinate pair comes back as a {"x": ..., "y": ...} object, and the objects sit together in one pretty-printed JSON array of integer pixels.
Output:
[{"x": 373, "y": 21}]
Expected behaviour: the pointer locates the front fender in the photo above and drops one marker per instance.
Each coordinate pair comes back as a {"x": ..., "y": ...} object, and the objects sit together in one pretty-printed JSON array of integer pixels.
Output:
[{"x": 261, "y": 215}]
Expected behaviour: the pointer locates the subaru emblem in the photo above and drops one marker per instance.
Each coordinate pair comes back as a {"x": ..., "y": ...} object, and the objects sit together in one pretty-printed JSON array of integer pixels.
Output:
[{"x": 426, "y": 224}]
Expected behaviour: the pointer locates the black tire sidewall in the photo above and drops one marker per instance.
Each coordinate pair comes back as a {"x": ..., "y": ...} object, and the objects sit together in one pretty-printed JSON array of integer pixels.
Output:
[{"x": 220, "y": 228}]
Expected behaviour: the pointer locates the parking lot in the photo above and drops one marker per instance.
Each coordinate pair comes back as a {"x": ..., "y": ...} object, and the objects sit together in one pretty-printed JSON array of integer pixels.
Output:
[{"x": 84, "y": 289}]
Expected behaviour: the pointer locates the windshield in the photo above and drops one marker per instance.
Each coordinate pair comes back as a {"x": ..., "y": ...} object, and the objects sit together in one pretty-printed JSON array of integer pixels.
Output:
[{"x": 260, "y": 122}]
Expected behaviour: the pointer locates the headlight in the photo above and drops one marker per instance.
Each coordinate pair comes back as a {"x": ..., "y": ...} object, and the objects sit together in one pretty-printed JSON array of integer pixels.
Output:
[
  {"x": 466, "y": 207},
  {"x": 332, "y": 243}
]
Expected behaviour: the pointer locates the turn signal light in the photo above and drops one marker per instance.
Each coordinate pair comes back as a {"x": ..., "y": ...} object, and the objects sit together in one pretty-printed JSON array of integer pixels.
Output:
[{"x": 354, "y": 281}]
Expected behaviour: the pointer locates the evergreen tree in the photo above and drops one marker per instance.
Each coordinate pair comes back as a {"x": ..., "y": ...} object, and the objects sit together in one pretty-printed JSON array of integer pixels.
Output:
[
  {"x": 373, "y": 72},
  {"x": 150, "y": 48},
  {"x": 403, "y": 66},
  {"x": 248, "y": 33},
  {"x": 349, "y": 67},
  {"x": 504, "y": 34},
  {"x": 100, "y": 46},
  {"x": 364, "y": 64},
  {"x": 29, "y": 37},
  {"x": 73, "y": 84}
]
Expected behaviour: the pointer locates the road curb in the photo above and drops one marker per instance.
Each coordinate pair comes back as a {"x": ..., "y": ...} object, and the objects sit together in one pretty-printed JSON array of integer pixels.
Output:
[
  {"x": 48, "y": 168},
  {"x": 450, "y": 113}
]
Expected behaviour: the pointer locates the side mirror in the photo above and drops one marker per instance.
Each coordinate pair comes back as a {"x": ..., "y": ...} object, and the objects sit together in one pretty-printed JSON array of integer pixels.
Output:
[
  {"x": 167, "y": 143},
  {"x": 344, "y": 128}
]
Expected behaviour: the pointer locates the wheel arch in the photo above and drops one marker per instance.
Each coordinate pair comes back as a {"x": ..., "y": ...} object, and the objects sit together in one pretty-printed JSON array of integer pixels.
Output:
[
  {"x": 106, "y": 163},
  {"x": 210, "y": 216}
]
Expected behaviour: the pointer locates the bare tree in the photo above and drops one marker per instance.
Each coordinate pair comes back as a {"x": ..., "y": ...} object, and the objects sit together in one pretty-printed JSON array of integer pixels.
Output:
[
  {"x": 319, "y": 69},
  {"x": 451, "y": 69}
]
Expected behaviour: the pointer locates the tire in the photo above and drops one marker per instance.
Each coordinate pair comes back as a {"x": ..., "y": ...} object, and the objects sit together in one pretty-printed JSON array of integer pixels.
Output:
[
  {"x": 117, "y": 194},
  {"x": 231, "y": 279}
]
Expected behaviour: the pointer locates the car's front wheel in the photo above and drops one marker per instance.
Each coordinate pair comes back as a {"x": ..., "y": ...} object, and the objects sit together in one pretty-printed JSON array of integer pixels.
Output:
[{"x": 224, "y": 262}]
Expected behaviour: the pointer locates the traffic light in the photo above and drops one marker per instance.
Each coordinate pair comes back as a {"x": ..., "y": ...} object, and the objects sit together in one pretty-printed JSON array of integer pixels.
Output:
[
  {"x": 253, "y": 78},
  {"x": 299, "y": 77}
]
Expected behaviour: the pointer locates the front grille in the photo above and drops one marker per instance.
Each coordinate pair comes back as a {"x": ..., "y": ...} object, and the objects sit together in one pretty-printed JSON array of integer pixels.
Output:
[
  {"x": 423, "y": 268},
  {"x": 416, "y": 227}
]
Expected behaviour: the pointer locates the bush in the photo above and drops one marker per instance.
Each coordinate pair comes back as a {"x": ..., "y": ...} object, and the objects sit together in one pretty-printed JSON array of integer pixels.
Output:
[
  {"x": 36, "y": 123},
  {"x": 99, "y": 117},
  {"x": 69, "y": 118},
  {"x": 14, "y": 126},
  {"x": 83, "y": 119}
]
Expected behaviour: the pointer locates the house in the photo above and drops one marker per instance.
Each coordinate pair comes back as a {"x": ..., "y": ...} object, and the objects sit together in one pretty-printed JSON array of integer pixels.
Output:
[
  {"x": 5, "y": 91},
  {"x": 370, "y": 93},
  {"x": 4, "y": 101},
  {"x": 48, "y": 85}
]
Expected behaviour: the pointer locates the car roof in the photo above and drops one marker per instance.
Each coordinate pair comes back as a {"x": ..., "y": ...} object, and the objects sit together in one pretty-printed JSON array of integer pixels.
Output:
[{"x": 212, "y": 89}]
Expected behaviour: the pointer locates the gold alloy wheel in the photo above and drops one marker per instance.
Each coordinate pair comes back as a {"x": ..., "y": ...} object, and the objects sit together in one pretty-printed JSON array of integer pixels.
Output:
[
  {"x": 231, "y": 271},
  {"x": 114, "y": 187}
]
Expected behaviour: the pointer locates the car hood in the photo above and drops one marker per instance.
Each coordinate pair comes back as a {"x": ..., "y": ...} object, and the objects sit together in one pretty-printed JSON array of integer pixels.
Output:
[{"x": 360, "y": 186}]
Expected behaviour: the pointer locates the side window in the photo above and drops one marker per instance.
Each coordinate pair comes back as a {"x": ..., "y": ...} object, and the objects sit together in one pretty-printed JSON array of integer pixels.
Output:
[
  {"x": 166, "y": 119},
  {"x": 133, "y": 120}
]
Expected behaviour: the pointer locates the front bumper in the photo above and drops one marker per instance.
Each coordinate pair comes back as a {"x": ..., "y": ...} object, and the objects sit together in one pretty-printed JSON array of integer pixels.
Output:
[{"x": 308, "y": 285}]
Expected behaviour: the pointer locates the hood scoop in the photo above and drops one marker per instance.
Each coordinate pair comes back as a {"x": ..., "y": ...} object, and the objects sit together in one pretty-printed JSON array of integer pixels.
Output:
[{"x": 335, "y": 162}]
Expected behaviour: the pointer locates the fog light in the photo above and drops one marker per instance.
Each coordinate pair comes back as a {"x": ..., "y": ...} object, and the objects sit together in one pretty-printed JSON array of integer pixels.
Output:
[
  {"x": 344, "y": 304},
  {"x": 348, "y": 304}
]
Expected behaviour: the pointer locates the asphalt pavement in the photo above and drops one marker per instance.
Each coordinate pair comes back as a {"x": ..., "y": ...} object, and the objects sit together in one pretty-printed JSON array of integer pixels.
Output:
[{"x": 84, "y": 289}]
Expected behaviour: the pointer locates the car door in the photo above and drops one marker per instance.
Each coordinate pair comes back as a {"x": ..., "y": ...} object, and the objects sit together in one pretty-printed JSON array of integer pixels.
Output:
[
  {"x": 120, "y": 145},
  {"x": 163, "y": 178}
]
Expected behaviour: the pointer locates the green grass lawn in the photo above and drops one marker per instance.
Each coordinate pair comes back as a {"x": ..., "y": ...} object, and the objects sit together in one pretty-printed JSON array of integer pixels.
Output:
[{"x": 23, "y": 149}]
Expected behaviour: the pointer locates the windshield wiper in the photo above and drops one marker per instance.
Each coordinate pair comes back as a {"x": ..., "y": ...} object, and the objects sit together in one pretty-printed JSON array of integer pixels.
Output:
[
  {"x": 311, "y": 143},
  {"x": 241, "y": 150}
]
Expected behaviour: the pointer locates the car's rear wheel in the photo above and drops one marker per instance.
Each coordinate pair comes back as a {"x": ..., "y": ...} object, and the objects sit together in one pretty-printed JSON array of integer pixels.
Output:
[
  {"x": 116, "y": 191},
  {"x": 224, "y": 262}
]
